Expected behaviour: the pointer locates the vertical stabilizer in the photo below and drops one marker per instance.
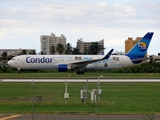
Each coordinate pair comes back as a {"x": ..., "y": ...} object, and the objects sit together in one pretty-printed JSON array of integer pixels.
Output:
[{"x": 140, "y": 48}]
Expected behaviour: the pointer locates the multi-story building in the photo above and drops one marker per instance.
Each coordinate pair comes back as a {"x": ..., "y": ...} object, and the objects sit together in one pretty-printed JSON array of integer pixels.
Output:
[
  {"x": 129, "y": 43},
  {"x": 81, "y": 45},
  {"x": 15, "y": 52},
  {"x": 51, "y": 40}
]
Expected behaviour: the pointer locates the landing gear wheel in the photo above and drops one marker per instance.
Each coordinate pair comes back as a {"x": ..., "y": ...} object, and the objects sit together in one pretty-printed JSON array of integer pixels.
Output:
[
  {"x": 80, "y": 72},
  {"x": 19, "y": 70}
]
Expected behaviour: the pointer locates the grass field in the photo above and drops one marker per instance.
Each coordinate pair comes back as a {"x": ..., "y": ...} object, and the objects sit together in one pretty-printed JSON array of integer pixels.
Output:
[
  {"x": 116, "y": 98},
  {"x": 74, "y": 75}
]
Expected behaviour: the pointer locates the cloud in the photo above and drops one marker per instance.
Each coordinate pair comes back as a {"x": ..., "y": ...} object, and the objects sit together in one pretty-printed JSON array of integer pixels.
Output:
[
  {"x": 3, "y": 33},
  {"x": 91, "y": 20},
  {"x": 100, "y": 13}
]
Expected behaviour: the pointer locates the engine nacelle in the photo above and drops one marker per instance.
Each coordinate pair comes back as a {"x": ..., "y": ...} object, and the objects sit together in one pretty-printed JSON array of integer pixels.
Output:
[{"x": 63, "y": 68}]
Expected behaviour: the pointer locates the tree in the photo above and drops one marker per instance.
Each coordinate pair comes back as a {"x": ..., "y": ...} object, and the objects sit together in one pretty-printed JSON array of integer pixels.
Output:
[
  {"x": 10, "y": 57},
  {"x": 60, "y": 48},
  {"x": 85, "y": 51},
  {"x": 52, "y": 49},
  {"x": 4, "y": 55},
  {"x": 41, "y": 53},
  {"x": 32, "y": 52},
  {"x": 95, "y": 48},
  {"x": 76, "y": 51},
  {"x": 23, "y": 52},
  {"x": 68, "y": 50},
  {"x": 5, "y": 58}
]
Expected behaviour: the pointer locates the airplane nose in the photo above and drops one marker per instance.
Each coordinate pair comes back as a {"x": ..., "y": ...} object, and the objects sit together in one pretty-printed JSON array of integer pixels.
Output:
[{"x": 9, "y": 63}]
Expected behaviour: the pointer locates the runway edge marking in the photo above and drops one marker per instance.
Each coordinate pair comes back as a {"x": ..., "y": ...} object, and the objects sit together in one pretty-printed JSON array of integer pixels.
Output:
[{"x": 10, "y": 117}]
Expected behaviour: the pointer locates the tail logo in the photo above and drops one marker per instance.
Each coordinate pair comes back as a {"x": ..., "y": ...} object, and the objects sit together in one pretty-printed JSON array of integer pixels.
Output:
[{"x": 142, "y": 46}]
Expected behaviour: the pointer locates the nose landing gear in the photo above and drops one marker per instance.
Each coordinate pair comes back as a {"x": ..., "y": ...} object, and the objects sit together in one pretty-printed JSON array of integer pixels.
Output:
[{"x": 19, "y": 70}]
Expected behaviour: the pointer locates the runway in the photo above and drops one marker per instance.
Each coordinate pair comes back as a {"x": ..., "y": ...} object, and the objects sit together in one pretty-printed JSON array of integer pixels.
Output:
[{"x": 84, "y": 80}]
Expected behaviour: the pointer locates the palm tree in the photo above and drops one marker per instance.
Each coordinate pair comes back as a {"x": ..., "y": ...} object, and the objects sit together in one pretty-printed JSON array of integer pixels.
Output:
[
  {"x": 32, "y": 52},
  {"x": 52, "y": 49},
  {"x": 60, "y": 48},
  {"x": 40, "y": 53},
  {"x": 10, "y": 57},
  {"x": 100, "y": 49},
  {"x": 4, "y": 55},
  {"x": 23, "y": 52},
  {"x": 95, "y": 48},
  {"x": 86, "y": 51},
  {"x": 68, "y": 50},
  {"x": 76, "y": 51}
]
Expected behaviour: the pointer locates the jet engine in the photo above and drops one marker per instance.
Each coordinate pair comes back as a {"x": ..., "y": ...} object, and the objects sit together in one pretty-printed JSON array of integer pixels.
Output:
[{"x": 63, "y": 68}]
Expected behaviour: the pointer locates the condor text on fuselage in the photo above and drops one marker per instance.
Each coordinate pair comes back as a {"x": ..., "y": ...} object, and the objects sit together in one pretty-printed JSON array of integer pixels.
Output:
[{"x": 38, "y": 60}]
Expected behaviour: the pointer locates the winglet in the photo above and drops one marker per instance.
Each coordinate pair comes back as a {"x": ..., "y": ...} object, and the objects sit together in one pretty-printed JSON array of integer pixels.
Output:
[
  {"x": 108, "y": 54},
  {"x": 102, "y": 53}
]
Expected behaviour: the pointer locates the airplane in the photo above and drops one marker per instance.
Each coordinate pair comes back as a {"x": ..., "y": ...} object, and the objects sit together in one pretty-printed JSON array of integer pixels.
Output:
[{"x": 63, "y": 63}]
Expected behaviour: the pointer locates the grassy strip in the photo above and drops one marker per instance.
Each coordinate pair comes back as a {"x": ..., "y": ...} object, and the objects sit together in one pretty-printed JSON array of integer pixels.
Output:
[
  {"x": 116, "y": 98},
  {"x": 74, "y": 75}
]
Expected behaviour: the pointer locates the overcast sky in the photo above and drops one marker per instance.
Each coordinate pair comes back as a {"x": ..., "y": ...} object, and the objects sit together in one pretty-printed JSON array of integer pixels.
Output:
[{"x": 22, "y": 22}]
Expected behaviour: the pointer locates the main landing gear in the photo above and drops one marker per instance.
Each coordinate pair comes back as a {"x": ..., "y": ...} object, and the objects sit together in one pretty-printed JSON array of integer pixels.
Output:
[{"x": 80, "y": 72}]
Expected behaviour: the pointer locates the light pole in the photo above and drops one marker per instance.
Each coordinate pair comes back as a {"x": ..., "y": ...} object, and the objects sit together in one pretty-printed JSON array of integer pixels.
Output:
[
  {"x": 87, "y": 89},
  {"x": 32, "y": 98},
  {"x": 66, "y": 94},
  {"x": 98, "y": 93}
]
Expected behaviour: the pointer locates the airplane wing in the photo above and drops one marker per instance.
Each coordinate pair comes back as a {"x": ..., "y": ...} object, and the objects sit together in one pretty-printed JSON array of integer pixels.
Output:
[{"x": 85, "y": 63}]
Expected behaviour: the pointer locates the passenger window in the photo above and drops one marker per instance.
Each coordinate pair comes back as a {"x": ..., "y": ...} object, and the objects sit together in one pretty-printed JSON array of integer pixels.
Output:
[
  {"x": 76, "y": 58},
  {"x": 116, "y": 58},
  {"x": 80, "y": 58}
]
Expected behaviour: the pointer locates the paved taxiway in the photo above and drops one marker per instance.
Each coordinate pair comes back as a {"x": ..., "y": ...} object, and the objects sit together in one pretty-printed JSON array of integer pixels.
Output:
[
  {"x": 79, "y": 80},
  {"x": 79, "y": 117}
]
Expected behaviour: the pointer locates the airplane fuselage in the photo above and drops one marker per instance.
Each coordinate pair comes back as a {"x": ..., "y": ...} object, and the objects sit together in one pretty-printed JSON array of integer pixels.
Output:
[
  {"x": 52, "y": 61},
  {"x": 136, "y": 55}
]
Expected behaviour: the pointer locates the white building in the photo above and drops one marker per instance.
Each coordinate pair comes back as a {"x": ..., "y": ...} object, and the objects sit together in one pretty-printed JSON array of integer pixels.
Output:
[{"x": 48, "y": 41}]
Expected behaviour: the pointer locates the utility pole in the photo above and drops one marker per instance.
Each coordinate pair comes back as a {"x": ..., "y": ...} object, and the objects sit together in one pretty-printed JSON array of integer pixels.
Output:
[
  {"x": 32, "y": 100},
  {"x": 66, "y": 95},
  {"x": 98, "y": 93}
]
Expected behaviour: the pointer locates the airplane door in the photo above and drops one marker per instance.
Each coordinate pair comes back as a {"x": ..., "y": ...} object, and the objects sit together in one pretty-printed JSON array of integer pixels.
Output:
[{"x": 121, "y": 61}]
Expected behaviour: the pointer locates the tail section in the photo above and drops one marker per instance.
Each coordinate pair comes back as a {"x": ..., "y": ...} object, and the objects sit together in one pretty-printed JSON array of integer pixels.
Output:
[{"x": 140, "y": 48}]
